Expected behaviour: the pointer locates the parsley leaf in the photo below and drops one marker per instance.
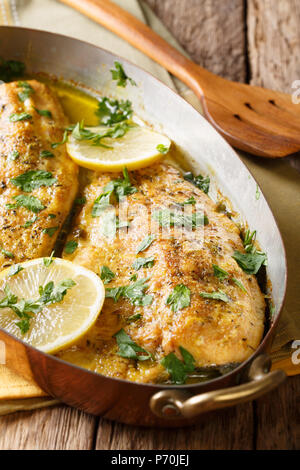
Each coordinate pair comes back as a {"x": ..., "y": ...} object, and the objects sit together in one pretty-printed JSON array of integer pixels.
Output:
[
  {"x": 190, "y": 201},
  {"x": 114, "y": 293},
  {"x": 101, "y": 203},
  {"x": 134, "y": 318},
  {"x": 28, "y": 223},
  {"x": 15, "y": 269},
  {"x": 250, "y": 262},
  {"x": 134, "y": 293},
  {"x": 70, "y": 247},
  {"x": 163, "y": 149},
  {"x": 143, "y": 263},
  {"x": 239, "y": 284},
  {"x": 26, "y": 92},
  {"x": 106, "y": 275},
  {"x": 46, "y": 154},
  {"x": 44, "y": 112},
  {"x": 120, "y": 76},
  {"x": 15, "y": 117},
  {"x": 33, "y": 179},
  {"x": 51, "y": 294},
  {"x": 113, "y": 111},
  {"x": 129, "y": 349},
  {"x": 79, "y": 132},
  {"x": 178, "y": 369},
  {"x": 48, "y": 261},
  {"x": 31, "y": 203},
  {"x": 11, "y": 69},
  {"x": 199, "y": 181},
  {"x": 7, "y": 254},
  {"x": 220, "y": 273},
  {"x": 218, "y": 295},
  {"x": 145, "y": 243},
  {"x": 179, "y": 298},
  {"x": 64, "y": 140},
  {"x": 50, "y": 231}
]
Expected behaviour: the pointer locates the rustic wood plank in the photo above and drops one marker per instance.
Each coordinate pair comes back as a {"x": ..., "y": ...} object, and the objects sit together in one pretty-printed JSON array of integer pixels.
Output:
[
  {"x": 212, "y": 32},
  {"x": 274, "y": 43},
  {"x": 60, "y": 428},
  {"x": 278, "y": 418},
  {"x": 228, "y": 429}
]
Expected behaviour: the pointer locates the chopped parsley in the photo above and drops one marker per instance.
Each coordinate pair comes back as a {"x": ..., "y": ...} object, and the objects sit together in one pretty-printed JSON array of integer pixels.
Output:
[
  {"x": 145, "y": 243},
  {"x": 239, "y": 284},
  {"x": 257, "y": 193},
  {"x": 118, "y": 74},
  {"x": 13, "y": 156},
  {"x": 31, "y": 203},
  {"x": 167, "y": 218},
  {"x": 134, "y": 292},
  {"x": 26, "y": 92},
  {"x": 190, "y": 201},
  {"x": 64, "y": 140},
  {"x": 129, "y": 349},
  {"x": 143, "y": 263},
  {"x": 28, "y": 223},
  {"x": 179, "y": 298},
  {"x": 15, "y": 117},
  {"x": 50, "y": 231},
  {"x": 79, "y": 132},
  {"x": 33, "y": 179},
  {"x": 250, "y": 262},
  {"x": 220, "y": 273},
  {"x": 101, "y": 203},
  {"x": 106, "y": 275},
  {"x": 112, "y": 112},
  {"x": 218, "y": 295},
  {"x": 11, "y": 69},
  {"x": 134, "y": 318},
  {"x": 44, "y": 112},
  {"x": 7, "y": 254},
  {"x": 71, "y": 246},
  {"x": 178, "y": 369},
  {"x": 15, "y": 269},
  {"x": 199, "y": 181},
  {"x": 46, "y": 154},
  {"x": 48, "y": 261},
  {"x": 163, "y": 149}
]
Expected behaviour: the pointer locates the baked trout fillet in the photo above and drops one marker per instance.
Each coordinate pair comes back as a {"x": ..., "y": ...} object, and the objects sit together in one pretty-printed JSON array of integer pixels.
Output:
[
  {"x": 38, "y": 181},
  {"x": 157, "y": 250}
]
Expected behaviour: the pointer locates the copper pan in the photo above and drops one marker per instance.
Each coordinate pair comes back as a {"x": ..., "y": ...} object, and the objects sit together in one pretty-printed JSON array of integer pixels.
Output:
[{"x": 121, "y": 400}]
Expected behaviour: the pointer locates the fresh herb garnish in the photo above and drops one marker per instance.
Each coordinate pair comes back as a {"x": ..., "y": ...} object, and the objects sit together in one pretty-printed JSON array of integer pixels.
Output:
[
  {"x": 101, "y": 203},
  {"x": 15, "y": 117},
  {"x": 46, "y": 154},
  {"x": 177, "y": 369},
  {"x": 26, "y": 92},
  {"x": 50, "y": 231},
  {"x": 129, "y": 349},
  {"x": 250, "y": 262},
  {"x": 199, "y": 181},
  {"x": 190, "y": 201},
  {"x": 15, "y": 269},
  {"x": 249, "y": 240},
  {"x": 145, "y": 243},
  {"x": 44, "y": 112},
  {"x": 167, "y": 218},
  {"x": 7, "y": 254},
  {"x": 239, "y": 284},
  {"x": 11, "y": 69},
  {"x": 219, "y": 272},
  {"x": 143, "y": 263},
  {"x": 257, "y": 193},
  {"x": 112, "y": 112},
  {"x": 134, "y": 318},
  {"x": 52, "y": 216},
  {"x": 71, "y": 246},
  {"x": 31, "y": 203},
  {"x": 133, "y": 292},
  {"x": 218, "y": 295},
  {"x": 13, "y": 156},
  {"x": 64, "y": 140},
  {"x": 33, "y": 179},
  {"x": 106, "y": 275},
  {"x": 163, "y": 149},
  {"x": 79, "y": 132},
  {"x": 133, "y": 277},
  {"x": 28, "y": 223},
  {"x": 48, "y": 261},
  {"x": 120, "y": 76},
  {"x": 179, "y": 298}
]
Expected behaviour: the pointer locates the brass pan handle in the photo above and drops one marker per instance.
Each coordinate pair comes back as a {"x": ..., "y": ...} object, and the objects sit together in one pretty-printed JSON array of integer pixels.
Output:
[{"x": 172, "y": 404}]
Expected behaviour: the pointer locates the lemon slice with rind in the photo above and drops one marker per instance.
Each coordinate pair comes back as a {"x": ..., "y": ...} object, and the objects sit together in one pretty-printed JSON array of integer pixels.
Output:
[
  {"x": 63, "y": 318},
  {"x": 137, "y": 148}
]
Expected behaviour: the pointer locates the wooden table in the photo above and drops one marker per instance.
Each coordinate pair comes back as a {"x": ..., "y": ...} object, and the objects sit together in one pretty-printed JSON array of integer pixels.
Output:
[{"x": 252, "y": 41}]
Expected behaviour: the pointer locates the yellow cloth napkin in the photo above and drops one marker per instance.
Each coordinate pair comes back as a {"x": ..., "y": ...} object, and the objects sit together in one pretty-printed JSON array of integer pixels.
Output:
[{"x": 279, "y": 180}]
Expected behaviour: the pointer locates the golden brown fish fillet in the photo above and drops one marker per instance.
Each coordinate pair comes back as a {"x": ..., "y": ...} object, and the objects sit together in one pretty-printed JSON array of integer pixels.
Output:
[
  {"x": 26, "y": 234},
  {"x": 213, "y": 331}
]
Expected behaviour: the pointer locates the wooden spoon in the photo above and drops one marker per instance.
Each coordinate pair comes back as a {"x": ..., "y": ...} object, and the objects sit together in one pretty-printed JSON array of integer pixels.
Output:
[{"x": 260, "y": 121}]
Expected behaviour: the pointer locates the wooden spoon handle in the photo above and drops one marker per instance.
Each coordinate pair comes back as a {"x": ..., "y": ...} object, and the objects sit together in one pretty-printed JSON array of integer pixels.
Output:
[{"x": 143, "y": 38}]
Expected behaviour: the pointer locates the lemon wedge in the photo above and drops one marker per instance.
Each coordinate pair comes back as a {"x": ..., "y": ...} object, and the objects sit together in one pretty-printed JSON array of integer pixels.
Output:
[
  {"x": 138, "y": 148},
  {"x": 62, "y": 299}
]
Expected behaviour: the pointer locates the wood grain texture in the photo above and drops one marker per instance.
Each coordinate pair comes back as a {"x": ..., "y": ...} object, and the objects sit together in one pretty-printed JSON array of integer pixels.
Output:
[
  {"x": 278, "y": 418},
  {"x": 229, "y": 429},
  {"x": 60, "y": 428},
  {"x": 274, "y": 43},
  {"x": 212, "y": 32}
]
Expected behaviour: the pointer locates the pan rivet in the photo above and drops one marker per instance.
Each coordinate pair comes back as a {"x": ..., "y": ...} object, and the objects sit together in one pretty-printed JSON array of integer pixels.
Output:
[{"x": 170, "y": 410}]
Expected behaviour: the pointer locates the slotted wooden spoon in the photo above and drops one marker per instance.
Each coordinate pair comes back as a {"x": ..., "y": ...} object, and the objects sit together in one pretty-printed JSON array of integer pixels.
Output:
[{"x": 260, "y": 121}]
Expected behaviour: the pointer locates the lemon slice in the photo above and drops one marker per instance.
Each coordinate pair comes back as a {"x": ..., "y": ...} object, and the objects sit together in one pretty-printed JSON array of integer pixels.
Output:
[
  {"x": 138, "y": 148},
  {"x": 58, "y": 324}
]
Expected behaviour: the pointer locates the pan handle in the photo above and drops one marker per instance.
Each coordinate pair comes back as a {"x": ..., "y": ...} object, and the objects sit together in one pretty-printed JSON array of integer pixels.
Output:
[{"x": 173, "y": 404}]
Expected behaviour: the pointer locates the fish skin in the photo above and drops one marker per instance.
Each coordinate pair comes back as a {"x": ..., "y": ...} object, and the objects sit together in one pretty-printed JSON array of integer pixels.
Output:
[
  {"x": 29, "y": 138},
  {"x": 214, "y": 332}
]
